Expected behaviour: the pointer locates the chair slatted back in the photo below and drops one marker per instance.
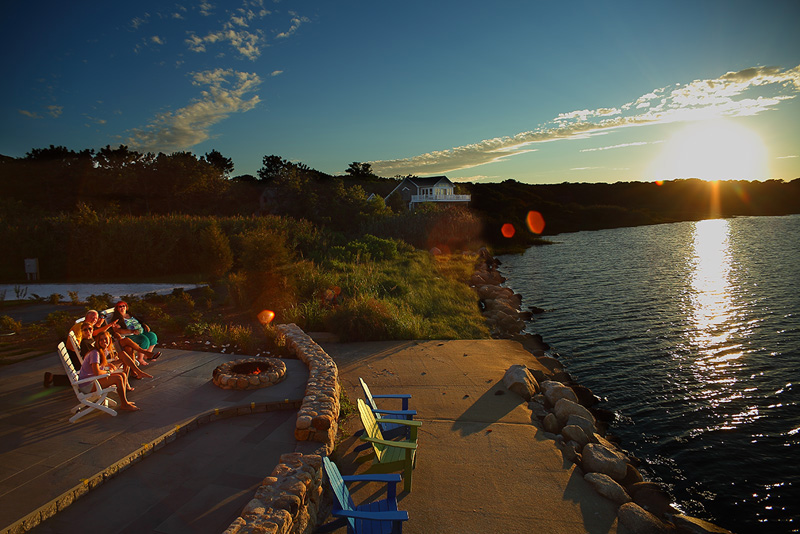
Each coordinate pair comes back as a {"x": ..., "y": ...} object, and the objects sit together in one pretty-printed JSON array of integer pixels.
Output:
[
  {"x": 368, "y": 394},
  {"x": 340, "y": 491},
  {"x": 66, "y": 361},
  {"x": 371, "y": 427},
  {"x": 76, "y": 346}
]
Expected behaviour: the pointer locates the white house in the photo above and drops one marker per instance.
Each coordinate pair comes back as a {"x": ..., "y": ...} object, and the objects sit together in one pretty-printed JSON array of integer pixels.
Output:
[{"x": 437, "y": 189}]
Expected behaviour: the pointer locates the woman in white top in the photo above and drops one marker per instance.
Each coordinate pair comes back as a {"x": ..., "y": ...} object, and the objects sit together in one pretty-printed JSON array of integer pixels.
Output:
[{"x": 95, "y": 363}]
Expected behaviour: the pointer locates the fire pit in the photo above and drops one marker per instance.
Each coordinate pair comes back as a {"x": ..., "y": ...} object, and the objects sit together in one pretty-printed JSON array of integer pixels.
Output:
[{"x": 249, "y": 373}]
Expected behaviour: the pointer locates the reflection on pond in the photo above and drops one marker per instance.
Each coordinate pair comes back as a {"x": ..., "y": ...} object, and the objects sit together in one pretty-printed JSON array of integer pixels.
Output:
[
  {"x": 710, "y": 284},
  {"x": 716, "y": 332}
]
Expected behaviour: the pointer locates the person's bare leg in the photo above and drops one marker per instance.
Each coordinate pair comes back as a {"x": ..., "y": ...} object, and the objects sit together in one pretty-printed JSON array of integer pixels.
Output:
[
  {"x": 118, "y": 380},
  {"x": 130, "y": 365}
]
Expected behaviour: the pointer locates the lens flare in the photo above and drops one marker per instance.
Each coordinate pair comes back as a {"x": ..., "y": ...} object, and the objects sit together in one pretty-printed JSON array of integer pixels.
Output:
[
  {"x": 535, "y": 222},
  {"x": 508, "y": 230},
  {"x": 266, "y": 316}
]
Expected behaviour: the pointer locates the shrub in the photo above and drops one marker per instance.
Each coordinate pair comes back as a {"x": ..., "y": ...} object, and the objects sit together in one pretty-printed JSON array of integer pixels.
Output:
[
  {"x": 364, "y": 319},
  {"x": 195, "y": 329},
  {"x": 9, "y": 324},
  {"x": 218, "y": 333},
  {"x": 99, "y": 302},
  {"x": 212, "y": 253},
  {"x": 242, "y": 336},
  {"x": 55, "y": 298}
]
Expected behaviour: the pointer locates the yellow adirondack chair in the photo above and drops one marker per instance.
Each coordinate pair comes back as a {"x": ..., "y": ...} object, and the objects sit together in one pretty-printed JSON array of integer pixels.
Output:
[{"x": 389, "y": 456}]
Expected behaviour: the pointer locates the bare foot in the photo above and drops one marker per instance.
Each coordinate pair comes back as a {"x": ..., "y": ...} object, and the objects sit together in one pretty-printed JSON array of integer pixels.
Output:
[
  {"x": 142, "y": 374},
  {"x": 142, "y": 362},
  {"x": 129, "y": 407}
]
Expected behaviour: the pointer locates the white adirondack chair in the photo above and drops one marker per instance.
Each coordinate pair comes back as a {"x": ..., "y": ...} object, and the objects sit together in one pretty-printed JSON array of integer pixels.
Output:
[{"x": 87, "y": 402}]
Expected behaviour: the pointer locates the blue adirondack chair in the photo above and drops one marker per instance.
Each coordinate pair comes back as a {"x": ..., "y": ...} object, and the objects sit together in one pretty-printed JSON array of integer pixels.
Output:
[
  {"x": 378, "y": 517},
  {"x": 389, "y": 430}
]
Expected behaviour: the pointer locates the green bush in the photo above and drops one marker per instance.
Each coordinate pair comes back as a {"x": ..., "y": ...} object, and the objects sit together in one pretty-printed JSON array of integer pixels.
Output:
[
  {"x": 212, "y": 254},
  {"x": 364, "y": 319},
  {"x": 9, "y": 324}
]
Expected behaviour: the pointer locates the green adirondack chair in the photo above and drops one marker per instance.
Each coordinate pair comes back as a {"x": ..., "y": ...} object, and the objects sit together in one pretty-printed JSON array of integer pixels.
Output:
[{"x": 389, "y": 456}]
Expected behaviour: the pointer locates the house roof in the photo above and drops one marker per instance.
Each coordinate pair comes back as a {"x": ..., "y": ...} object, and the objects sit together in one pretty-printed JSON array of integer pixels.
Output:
[{"x": 428, "y": 181}]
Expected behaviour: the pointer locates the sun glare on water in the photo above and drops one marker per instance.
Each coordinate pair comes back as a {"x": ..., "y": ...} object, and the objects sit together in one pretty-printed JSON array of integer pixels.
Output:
[{"x": 712, "y": 150}]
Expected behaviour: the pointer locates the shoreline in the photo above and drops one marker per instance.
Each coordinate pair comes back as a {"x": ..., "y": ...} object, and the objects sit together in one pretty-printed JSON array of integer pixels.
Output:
[{"x": 568, "y": 414}]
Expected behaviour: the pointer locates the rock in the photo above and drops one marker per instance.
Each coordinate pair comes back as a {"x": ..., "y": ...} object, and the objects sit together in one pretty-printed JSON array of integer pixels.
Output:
[
  {"x": 585, "y": 396},
  {"x": 565, "y": 407},
  {"x": 586, "y": 425},
  {"x": 570, "y": 451},
  {"x": 550, "y": 362},
  {"x": 652, "y": 497},
  {"x": 607, "y": 487},
  {"x": 519, "y": 380},
  {"x": 575, "y": 433},
  {"x": 555, "y": 391},
  {"x": 538, "y": 411},
  {"x": 539, "y": 375},
  {"x": 692, "y": 525},
  {"x": 600, "y": 459},
  {"x": 639, "y": 521},
  {"x": 632, "y": 476},
  {"x": 550, "y": 424}
]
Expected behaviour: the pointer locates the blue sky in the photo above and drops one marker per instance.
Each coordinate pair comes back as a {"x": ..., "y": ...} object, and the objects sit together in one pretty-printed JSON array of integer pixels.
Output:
[{"x": 541, "y": 92}]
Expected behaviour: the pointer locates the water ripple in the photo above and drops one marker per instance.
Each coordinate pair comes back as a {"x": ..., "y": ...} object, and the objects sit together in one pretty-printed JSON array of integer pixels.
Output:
[{"x": 691, "y": 332}]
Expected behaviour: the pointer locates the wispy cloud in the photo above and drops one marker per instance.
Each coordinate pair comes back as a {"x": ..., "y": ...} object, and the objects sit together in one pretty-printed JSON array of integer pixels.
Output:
[
  {"x": 29, "y": 114},
  {"x": 276, "y": 73},
  {"x": 235, "y": 31},
  {"x": 730, "y": 95},
  {"x": 55, "y": 111},
  {"x": 227, "y": 92},
  {"x": 787, "y": 157},
  {"x": 297, "y": 21},
  {"x": 623, "y": 145}
]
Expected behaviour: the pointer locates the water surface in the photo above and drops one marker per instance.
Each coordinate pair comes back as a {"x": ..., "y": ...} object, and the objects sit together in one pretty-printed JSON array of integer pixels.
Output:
[{"x": 691, "y": 332}]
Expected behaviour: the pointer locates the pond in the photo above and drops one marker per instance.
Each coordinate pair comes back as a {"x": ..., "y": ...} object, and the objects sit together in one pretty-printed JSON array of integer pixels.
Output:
[{"x": 28, "y": 290}]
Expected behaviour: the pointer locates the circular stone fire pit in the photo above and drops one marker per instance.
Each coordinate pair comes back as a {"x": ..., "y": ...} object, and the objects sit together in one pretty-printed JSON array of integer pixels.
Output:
[{"x": 249, "y": 373}]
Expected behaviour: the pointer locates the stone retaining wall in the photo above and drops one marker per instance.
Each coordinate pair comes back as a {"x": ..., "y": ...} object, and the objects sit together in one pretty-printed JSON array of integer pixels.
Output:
[
  {"x": 318, "y": 416},
  {"x": 289, "y": 500}
]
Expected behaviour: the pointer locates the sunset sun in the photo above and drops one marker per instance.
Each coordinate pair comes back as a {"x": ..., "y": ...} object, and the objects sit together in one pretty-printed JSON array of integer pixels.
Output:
[{"x": 712, "y": 150}]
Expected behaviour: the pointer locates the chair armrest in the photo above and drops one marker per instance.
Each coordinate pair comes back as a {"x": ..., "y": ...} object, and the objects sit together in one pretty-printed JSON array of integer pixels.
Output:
[
  {"x": 404, "y": 396},
  {"x": 396, "y": 444},
  {"x": 399, "y": 515},
  {"x": 404, "y": 422},
  {"x": 396, "y": 412},
  {"x": 392, "y": 477},
  {"x": 90, "y": 378}
]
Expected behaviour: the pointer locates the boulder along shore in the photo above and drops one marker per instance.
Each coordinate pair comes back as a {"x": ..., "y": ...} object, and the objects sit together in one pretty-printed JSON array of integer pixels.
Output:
[{"x": 568, "y": 414}]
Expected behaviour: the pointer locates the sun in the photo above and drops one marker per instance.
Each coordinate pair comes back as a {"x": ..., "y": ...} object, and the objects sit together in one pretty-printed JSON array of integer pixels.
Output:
[{"x": 712, "y": 150}]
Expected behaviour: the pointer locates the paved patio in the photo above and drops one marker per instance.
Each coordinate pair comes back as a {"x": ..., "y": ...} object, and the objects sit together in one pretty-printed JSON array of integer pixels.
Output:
[{"x": 45, "y": 461}]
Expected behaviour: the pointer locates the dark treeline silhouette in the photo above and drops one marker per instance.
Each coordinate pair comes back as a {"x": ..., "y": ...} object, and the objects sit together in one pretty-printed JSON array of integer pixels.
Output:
[
  {"x": 570, "y": 207},
  {"x": 120, "y": 181}
]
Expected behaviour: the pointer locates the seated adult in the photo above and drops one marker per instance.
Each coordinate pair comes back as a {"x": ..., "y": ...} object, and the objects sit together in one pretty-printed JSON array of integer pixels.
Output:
[
  {"x": 89, "y": 343},
  {"x": 134, "y": 329},
  {"x": 96, "y": 363},
  {"x": 96, "y": 325},
  {"x": 127, "y": 344}
]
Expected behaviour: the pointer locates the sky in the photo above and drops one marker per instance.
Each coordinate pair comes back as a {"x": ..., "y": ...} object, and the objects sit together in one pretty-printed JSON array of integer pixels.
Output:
[{"x": 539, "y": 92}]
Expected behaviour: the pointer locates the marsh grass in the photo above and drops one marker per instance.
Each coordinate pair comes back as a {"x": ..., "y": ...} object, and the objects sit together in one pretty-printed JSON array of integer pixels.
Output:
[{"x": 414, "y": 296}]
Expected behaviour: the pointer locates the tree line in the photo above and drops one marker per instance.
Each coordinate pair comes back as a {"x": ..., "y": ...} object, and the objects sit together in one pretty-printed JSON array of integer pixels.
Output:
[{"x": 120, "y": 181}]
